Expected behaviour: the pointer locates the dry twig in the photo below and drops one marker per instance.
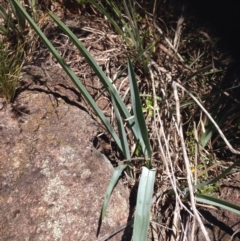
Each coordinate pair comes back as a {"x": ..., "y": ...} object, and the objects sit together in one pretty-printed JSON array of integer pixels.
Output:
[{"x": 187, "y": 164}]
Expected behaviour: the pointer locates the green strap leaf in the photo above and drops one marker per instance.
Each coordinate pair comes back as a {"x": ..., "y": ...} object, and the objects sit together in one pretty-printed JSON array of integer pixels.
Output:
[
  {"x": 144, "y": 198},
  {"x": 115, "y": 177},
  {"x": 218, "y": 203},
  {"x": 101, "y": 75},
  {"x": 8, "y": 20},
  {"x": 141, "y": 129},
  {"x": 121, "y": 131}
]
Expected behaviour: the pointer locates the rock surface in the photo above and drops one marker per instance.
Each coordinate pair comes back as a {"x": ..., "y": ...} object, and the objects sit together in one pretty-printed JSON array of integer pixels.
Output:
[{"x": 52, "y": 180}]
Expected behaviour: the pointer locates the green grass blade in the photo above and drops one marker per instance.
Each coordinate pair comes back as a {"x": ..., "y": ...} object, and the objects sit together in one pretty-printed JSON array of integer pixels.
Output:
[
  {"x": 115, "y": 177},
  {"x": 142, "y": 134},
  {"x": 206, "y": 136},
  {"x": 18, "y": 14},
  {"x": 8, "y": 21},
  {"x": 121, "y": 131},
  {"x": 144, "y": 198},
  {"x": 214, "y": 180},
  {"x": 218, "y": 203},
  {"x": 71, "y": 74},
  {"x": 115, "y": 25},
  {"x": 222, "y": 118},
  {"x": 133, "y": 29},
  {"x": 3, "y": 30}
]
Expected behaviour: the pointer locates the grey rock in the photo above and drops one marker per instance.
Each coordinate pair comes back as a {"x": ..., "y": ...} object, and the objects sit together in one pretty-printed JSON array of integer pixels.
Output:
[{"x": 52, "y": 180}]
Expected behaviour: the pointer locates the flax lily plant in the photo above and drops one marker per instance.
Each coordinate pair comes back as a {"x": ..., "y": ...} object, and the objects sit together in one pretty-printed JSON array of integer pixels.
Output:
[{"x": 136, "y": 124}]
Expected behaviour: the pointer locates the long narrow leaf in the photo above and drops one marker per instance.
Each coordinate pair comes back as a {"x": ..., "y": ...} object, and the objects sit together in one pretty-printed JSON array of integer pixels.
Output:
[
  {"x": 142, "y": 134},
  {"x": 3, "y": 30},
  {"x": 206, "y": 136},
  {"x": 144, "y": 198},
  {"x": 101, "y": 75},
  {"x": 8, "y": 20},
  {"x": 214, "y": 180},
  {"x": 115, "y": 25},
  {"x": 19, "y": 15},
  {"x": 218, "y": 203},
  {"x": 121, "y": 131},
  {"x": 133, "y": 29},
  {"x": 71, "y": 74},
  {"x": 115, "y": 177}
]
